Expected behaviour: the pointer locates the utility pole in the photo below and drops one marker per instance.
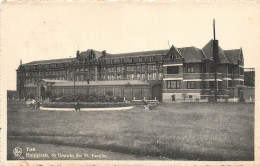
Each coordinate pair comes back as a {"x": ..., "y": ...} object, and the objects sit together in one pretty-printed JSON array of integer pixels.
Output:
[
  {"x": 74, "y": 79},
  {"x": 20, "y": 80},
  {"x": 215, "y": 60}
]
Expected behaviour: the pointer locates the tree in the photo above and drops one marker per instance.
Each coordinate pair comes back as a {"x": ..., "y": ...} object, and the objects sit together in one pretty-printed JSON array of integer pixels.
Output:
[{"x": 184, "y": 95}]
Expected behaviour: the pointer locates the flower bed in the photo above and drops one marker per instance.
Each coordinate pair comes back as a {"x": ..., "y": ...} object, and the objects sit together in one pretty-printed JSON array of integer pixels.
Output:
[{"x": 85, "y": 104}]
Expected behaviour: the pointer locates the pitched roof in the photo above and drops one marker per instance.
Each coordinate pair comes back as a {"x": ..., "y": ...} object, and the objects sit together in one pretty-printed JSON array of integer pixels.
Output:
[
  {"x": 192, "y": 54},
  {"x": 50, "y": 61},
  {"x": 174, "y": 50},
  {"x": 88, "y": 52},
  {"x": 233, "y": 55},
  {"x": 208, "y": 51},
  {"x": 143, "y": 53}
]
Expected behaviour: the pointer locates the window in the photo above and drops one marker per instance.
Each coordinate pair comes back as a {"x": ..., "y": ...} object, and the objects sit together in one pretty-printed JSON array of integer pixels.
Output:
[
  {"x": 132, "y": 60},
  {"x": 204, "y": 84},
  {"x": 111, "y": 61},
  {"x": 152, "y": 58},
  {"x": 154, "y": 76},
  {"x": 130, "y": 68},
  {"x": 230, "y": 70},
  {"x": 190, "y": 96},
  {"x": 190, "y": 69},
  {"x": 149, "y": 76},
  {"x": 160, "y": 67},
  {"x": 109, "y": 77},
  {"x": 211, "y": 84},
  {"x": 241, "y": 71},
  {"x": 191, "y": 85},
  {"x": 128, "y": 76},
  {"x": 113, "y": 77},
  {"x": 152, "y": 67},
  {"x": 118, "y": 77},
  {"x": 132, "y": 76},
  {"x": 241, "y": 82},
  {"x": 138, "y": 76},
  {"x": 160, "y": 76},
  {"x": 220, "y": 85},
  {"x": 211, "y": 70},
  {"x": 230, "y": 84},
  {"x": 143, "y": 67},
  {"x": 143, "y": 76},
  {"x": 171, "y": 57},
  {"x": 203, "y": 68},
  {"x": 173, "y": 84},
  {"x": 173, "y": 70},
  {"x": 121, "y": 60}
]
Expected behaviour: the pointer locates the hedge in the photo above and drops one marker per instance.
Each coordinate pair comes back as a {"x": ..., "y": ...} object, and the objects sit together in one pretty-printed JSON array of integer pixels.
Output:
[
  {"x": 85, "y": 104},
  {"x": 87, "y": 98}
]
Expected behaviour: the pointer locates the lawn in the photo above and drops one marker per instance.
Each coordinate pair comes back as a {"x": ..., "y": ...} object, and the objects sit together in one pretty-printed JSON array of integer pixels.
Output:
[{"x": 176, "y": 131}]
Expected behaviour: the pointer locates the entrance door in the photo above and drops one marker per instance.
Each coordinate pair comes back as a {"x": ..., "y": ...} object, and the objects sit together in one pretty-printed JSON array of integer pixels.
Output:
[
  {"x": 157, "y": 92},
  {"x": 43, "y": 92},
  {"x": 173, "y": 97}
]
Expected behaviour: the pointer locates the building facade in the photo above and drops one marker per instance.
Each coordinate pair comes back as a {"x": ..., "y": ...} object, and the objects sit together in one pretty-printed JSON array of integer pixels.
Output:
[{"x": 174, "y": 74}]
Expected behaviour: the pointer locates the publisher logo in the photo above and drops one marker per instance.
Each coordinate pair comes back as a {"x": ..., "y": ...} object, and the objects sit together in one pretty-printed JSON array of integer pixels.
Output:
[{"x": 17, "y": 152}]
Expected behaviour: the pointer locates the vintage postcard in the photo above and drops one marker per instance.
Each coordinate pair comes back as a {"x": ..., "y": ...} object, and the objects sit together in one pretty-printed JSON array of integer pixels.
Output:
[{"x": 130, "y": 82}]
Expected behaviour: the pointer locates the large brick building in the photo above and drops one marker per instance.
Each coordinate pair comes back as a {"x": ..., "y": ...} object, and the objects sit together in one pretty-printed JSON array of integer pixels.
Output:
[{"x": 173, "y": 74}]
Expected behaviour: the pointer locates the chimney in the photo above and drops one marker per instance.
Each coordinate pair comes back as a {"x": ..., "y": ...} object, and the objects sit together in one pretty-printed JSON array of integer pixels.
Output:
[
  {"x": 215, "y": 45},
  {"x": 77, "y": 54},
  {"x": 104, "y": 53},
  {"x": 21, "y": 63}
]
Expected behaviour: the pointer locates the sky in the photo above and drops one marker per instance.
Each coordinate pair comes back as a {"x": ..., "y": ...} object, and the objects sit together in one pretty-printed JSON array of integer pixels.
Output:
[{"x": 33, "y": 31}]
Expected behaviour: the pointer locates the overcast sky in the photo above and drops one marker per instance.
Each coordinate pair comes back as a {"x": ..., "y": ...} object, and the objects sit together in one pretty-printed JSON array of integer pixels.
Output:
[{"x": 33, "y": 31}]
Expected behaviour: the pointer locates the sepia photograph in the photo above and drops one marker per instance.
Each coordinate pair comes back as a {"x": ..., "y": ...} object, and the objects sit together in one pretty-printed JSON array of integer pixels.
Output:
[{"x": 129, "y": 81}]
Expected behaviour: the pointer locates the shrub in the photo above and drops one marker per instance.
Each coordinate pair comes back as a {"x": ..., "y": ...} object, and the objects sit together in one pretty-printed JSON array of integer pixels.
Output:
[
  {"x": 48, "y": 94},
  {"x": 31, "y": 96}
]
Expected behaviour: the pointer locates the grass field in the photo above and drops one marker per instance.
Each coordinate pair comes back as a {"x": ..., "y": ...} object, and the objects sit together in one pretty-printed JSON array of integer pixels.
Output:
[{"x": 178, "y": 131}]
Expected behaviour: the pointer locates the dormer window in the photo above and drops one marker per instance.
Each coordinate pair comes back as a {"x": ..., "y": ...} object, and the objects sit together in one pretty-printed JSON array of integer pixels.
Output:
[
  {"x": 132, "y": 59},
  {"x": 152, "y": 58},
  {"x": 121, "y": 60},
  {"x": 110, "y": 61},
  {"x": 171, "y": 57}
]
